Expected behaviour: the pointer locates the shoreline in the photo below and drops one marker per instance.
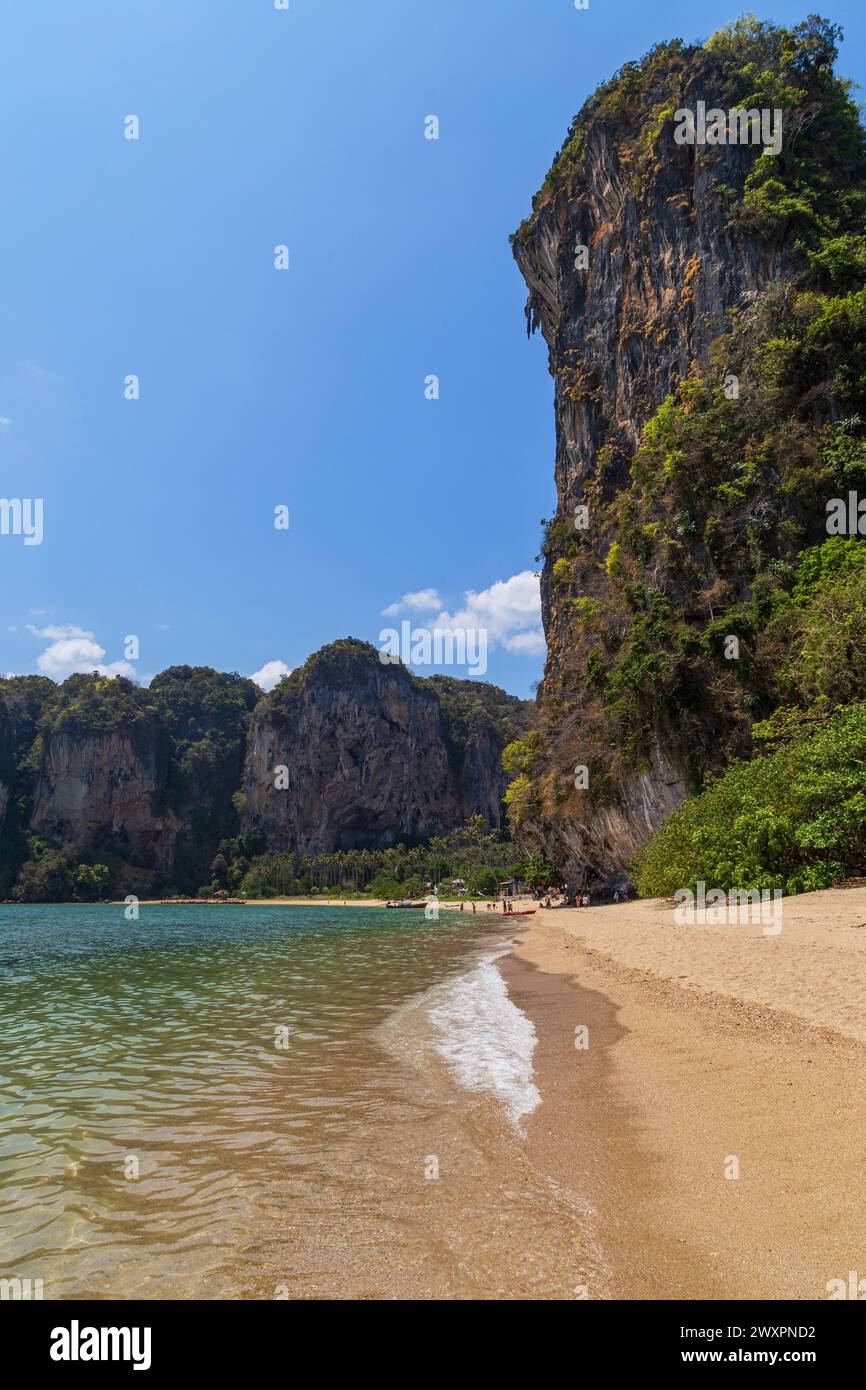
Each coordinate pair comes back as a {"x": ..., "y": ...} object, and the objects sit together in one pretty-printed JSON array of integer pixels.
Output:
[
  {"x": 602, "y": 1171},
  {"x": 711, "y": 1051},
  {"x": 450, "y": 905}
]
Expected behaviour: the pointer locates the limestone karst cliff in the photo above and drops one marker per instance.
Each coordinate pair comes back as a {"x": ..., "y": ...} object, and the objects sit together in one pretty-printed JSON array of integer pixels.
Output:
[
  {"x": 149, "y": 781},
  {"x": 140, "y": 779},
  {"x": 702, "y": 306},
  {"x": 96, "y": 792},
  {"x": 6, "y": 763},
  {"x": 372, "y": 754}
]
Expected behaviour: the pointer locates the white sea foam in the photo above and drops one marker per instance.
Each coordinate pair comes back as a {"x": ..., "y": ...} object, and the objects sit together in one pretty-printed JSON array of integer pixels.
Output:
[{"x": 485, "y": 1039}]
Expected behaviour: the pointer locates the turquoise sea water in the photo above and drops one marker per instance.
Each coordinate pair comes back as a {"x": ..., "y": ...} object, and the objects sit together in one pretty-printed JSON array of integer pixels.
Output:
[{"x": 245, "y": 1102}]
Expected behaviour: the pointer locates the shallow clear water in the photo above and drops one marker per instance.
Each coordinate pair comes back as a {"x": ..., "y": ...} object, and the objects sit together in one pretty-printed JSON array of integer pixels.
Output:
[{"x": 251, "y": 1102}]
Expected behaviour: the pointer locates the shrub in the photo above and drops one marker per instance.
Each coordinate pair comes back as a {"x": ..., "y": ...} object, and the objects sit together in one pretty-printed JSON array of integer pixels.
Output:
[{"x": 794, "y": 819}]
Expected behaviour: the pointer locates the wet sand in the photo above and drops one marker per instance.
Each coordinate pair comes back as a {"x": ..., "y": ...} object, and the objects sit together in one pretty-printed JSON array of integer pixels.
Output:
[{"x": 712, "y": 1051}]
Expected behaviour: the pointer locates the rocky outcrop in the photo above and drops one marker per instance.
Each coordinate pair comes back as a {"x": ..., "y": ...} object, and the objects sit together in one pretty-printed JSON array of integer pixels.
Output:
[
  {"x": 149, "y": 781},
  {"x": 665, "y": 269},
  {"x": 667, "y": 265},
  {"x": 352, "y": 753},
  {"x": 645, "y": 259},
  {"x": 141, "y": 780},
  {"x": 7, "y": 760},
  {"x": 596, "y": 849},
  {"x": 96, "y": 793},
  {"x": 22, "y": 700}
]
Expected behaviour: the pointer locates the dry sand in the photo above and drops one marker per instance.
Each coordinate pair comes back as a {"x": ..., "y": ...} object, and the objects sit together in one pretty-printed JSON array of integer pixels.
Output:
[{"x": 710, "y": 1047}]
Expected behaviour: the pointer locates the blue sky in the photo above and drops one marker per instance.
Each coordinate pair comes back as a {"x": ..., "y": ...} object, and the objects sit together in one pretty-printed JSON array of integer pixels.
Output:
[{"x": 305, "y": 387}]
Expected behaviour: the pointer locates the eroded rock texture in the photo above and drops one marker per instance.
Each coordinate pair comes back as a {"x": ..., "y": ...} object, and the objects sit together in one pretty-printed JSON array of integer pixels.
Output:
[
  {"x": 666, "y": 271},
  {"x": 372, "y": 755}
]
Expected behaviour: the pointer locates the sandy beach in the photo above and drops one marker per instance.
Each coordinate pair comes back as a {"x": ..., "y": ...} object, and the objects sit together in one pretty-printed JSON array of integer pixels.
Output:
[
  {"x": 703, "y": 1091},
  {"x": 712, "y": 1051}
]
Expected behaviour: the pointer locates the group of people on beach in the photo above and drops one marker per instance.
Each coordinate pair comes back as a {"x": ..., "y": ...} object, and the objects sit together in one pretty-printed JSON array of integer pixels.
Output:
[{"x": 568, "y": 900}]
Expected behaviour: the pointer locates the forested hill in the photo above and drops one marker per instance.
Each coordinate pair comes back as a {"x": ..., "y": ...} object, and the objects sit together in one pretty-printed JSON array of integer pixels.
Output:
[{"x": 107, "y": 786}]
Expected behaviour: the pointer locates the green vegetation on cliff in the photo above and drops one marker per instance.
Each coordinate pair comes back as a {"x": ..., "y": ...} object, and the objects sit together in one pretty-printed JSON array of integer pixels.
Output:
[
  {"x": 204, "y": 716},
  {"x": 189, "y": 726},
  {"x": 107, "y": 787},
  {"x": 812, "y": 188},
  {"x": 467, "y": 706},
  {"x": 794, "y": 817},
  {"x": 22, "y": 700}
]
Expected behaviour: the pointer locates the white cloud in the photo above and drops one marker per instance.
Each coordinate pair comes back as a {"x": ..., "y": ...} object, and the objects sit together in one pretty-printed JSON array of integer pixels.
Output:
[
  {"x": 270, "y": 674},
  {"x": 56, "y": 631},
  {"x": 421, "y": 601},
  {"x": 530, "y": 643},
  {"x": 4, "y": 421},
  {"x": 72, "y": 650},
  {"x": 510, "y": 611}
]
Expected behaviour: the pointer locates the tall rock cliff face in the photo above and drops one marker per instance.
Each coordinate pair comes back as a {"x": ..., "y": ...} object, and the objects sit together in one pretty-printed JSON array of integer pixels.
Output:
[
  {"x": 97, "y": 792},
  {"x": 478, "y": 721},
  {"x": 658, "y": 272},
  {"x": 667, "y": 265},
  {"x": 6, "y": 763},
  {"x": 141, "y": 780},
  {"x": 22, "y": 701},
  {"x": 350, "y": 753}
]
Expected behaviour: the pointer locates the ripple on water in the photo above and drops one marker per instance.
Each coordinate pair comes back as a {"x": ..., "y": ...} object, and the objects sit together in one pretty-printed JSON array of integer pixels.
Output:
[{"x": 155, "y": 1140}]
